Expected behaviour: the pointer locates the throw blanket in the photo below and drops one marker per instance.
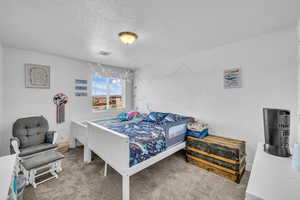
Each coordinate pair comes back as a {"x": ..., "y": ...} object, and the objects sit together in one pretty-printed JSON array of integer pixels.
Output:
[{"x": 146, "y": 139}]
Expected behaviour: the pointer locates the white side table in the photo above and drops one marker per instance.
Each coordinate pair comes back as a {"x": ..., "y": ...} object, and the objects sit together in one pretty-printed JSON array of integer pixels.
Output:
[
  {"x": 272, "y": 178},
  {"x": 7, "y": 172}
]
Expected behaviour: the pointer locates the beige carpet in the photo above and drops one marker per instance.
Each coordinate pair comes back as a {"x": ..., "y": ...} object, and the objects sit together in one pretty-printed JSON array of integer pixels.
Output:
[{"x": 169, "y": 179}]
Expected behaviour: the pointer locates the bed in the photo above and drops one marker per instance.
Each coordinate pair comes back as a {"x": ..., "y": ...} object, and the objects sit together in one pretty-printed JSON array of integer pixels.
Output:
[
  {"x": 79, "y": 133},
  {"x": 132, "y": 147}
]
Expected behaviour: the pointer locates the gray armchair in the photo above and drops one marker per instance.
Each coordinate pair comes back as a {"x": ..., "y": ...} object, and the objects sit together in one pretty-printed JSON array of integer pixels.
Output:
[{"x": 32, "y": 136}]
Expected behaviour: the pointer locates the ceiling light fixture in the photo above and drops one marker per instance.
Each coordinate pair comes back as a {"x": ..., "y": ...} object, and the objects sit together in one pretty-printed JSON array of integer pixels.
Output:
[{"x": 128, "y": 37}]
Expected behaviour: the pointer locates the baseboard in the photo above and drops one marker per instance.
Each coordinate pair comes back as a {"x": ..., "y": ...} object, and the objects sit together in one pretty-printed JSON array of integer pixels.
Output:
[{"x": 249, "y": 166}]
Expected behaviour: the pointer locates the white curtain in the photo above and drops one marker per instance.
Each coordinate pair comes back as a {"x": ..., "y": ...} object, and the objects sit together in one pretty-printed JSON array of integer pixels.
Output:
[{"x": 112, "y": 71}]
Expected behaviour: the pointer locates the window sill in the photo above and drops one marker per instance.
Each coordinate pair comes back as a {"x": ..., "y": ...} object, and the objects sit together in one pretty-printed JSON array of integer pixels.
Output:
[{"x": 110, "y": 110}]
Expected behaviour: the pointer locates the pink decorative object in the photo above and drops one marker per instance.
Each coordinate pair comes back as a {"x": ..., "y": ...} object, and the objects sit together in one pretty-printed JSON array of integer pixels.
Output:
[
  {"x": 132, "y": 115},
  {"x": 60, "y": 100}
]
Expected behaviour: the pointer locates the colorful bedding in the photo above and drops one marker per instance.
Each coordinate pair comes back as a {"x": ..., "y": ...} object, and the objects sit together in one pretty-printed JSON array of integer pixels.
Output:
[{"x": 145, "y": 139}]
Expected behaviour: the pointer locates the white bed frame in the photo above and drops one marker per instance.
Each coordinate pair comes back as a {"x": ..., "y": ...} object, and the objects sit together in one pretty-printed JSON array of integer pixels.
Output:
[
  {"x": 79, "y": 132},
  {"x": 113, "y": 148}
]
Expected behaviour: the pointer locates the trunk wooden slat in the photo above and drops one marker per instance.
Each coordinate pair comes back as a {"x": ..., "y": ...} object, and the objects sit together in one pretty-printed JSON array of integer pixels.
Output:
[
  {"x": 231, "y": 149},
  {"x": 223, "y": 162},
  {"x": 223, "y": 156},
  {"x": 233, "y": 177}
]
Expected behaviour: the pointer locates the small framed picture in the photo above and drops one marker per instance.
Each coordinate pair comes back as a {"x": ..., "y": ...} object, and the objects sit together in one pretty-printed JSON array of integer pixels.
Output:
[
  {"x": 80, "y": 81},
  {"x": 79, "y": 87},
  {"x": 37, "y": 76},
  {"x": 232, "y": 78}
]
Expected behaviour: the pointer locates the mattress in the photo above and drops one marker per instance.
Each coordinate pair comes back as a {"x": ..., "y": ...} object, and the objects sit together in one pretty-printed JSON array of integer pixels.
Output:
[{"x": 175, "y": 134}]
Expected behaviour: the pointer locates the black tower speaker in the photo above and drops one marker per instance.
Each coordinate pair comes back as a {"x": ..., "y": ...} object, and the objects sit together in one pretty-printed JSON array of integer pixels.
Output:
[{"x": 277, "y": 131}]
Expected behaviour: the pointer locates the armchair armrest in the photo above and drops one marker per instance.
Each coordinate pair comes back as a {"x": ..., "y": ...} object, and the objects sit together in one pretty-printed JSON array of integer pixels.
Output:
[
  {"x": 51, "y": 137},
  {"x": 14, "y": 145}
]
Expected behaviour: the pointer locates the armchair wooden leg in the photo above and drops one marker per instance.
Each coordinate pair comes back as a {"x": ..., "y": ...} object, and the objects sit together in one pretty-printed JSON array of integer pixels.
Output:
[
  {"x": 58, "y": 166},
  {"x": 26, "y": 174},
  {"x": 32, "y": 174}
]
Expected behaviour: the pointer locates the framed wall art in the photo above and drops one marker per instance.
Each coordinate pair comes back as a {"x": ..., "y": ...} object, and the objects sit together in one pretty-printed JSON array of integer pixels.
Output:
[
  {"x": 81, "y": 88},
  {"x": 80, "y": 81},
  {"x": 232, "y": 78},
  {"x": 37, "y": 76}
]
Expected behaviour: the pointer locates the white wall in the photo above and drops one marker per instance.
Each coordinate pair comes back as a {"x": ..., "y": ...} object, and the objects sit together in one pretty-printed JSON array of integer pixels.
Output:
[
  {"x": 1, "y": 101},
  {"x": 298, "y": 45},
  {"x": 193, "y": 85},
  {"x": 22, "y": 102}
]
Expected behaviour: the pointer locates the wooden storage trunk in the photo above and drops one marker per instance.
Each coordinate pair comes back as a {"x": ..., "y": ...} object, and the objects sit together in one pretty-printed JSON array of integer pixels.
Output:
[{"x": 223, "y": 156}]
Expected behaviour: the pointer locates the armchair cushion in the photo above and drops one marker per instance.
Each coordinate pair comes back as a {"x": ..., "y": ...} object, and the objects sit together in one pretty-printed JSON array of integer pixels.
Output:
[
  {"x": 41, "y": 160},
  {"x": 36, "y": 149},
  {"x": 31, "y": 131}
]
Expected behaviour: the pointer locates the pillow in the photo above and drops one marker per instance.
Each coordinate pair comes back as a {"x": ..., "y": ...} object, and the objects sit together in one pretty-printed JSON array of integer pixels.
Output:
[
  {"x": 123, "y": 116},
  {"x": 154, "y": 117},
  {"x": 169, "y": 118},
  {"x": 132, "y": 115},
  {"x": 173, "y": 118}
]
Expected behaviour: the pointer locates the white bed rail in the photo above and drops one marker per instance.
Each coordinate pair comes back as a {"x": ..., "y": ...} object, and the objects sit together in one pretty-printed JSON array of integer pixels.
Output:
[
  {"x": 111, "y": 146},
  {"x": 79, "y": 131}
]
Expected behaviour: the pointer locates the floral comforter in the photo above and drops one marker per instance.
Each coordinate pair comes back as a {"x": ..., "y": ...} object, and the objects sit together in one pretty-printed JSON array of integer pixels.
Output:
[{"x": 146, "y": 139}]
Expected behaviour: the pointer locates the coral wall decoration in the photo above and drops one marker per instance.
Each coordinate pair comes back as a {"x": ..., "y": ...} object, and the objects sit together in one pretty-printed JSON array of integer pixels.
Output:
[{"x": 60, "y": 100}]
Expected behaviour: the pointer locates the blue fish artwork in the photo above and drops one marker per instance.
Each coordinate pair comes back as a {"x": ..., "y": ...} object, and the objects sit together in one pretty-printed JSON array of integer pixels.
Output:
[
  {"x": 80, "y": 87},
  {"x": 230, "y": 77}
]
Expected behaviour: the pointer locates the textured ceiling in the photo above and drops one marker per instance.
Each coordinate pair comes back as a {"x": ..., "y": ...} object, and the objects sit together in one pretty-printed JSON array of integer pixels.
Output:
[{"x": 167, "y": 29}]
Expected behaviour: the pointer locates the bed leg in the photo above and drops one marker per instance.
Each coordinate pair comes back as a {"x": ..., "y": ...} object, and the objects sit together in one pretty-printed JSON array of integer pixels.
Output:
[
  {"x": 87, "y": 157},
  {"x": 125, "y": 187},
  {"x": 105, "y": 169}
]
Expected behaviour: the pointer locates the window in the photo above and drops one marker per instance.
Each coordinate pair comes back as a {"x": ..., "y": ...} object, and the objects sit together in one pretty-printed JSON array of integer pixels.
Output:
[{"x": 107, "y": 93}]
